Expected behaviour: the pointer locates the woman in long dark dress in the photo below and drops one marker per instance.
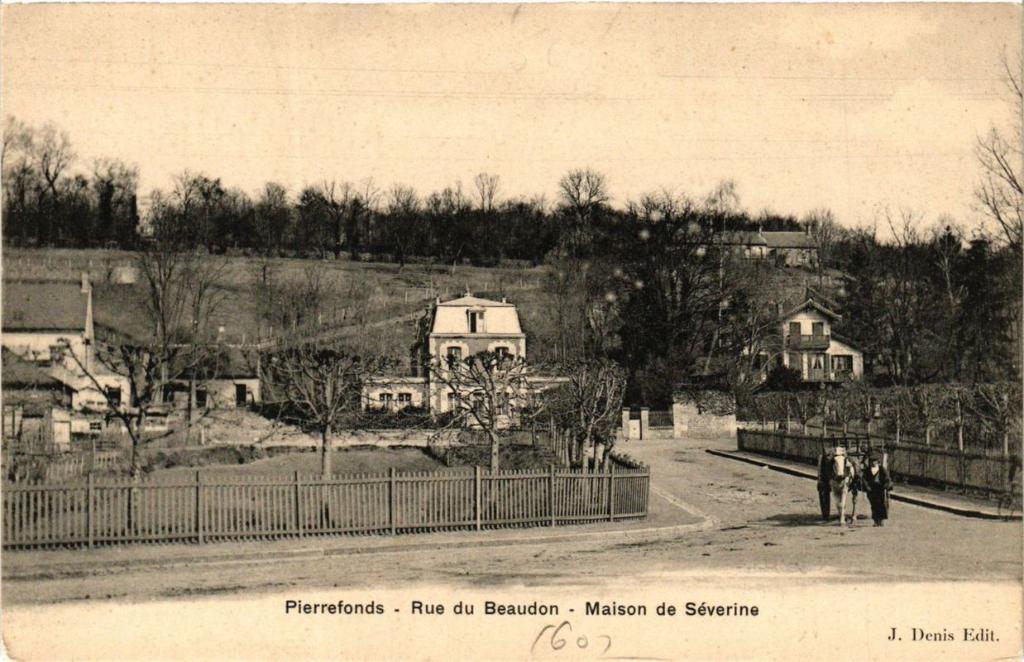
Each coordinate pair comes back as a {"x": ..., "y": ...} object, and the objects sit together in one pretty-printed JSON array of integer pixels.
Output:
[{"x": 877, "y": 484}]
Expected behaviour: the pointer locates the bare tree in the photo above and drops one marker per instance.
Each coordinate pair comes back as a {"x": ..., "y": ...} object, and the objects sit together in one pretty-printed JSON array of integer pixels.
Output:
[
  {"x": 18, "y": 136},
  {"x": 114, "y": 183},
  {"x": 337, "y": 198},
  {"x": 402, "y": 206},
  {"x": 317, "y": 386},
  {"x": 582, "y": 190},
  {"x": 182, "y": 295},
  {"x": 590, "y": 405},
  {"x": 54, "y": 154},
  {"x": 273, "y": 214},
  {"x": 662, "y": 204},
  {"x": 1001, "y": 157},
  {"x": 488, "y": 390},
  {"x": 139, "y": 363},
  {"x": 824, "y": 231},
  {"x": 998, "y": 406},
  {"x": 925, "y": 402},
  {"x": 487, "y": 190},
  {"x": 723, "y": 199}
]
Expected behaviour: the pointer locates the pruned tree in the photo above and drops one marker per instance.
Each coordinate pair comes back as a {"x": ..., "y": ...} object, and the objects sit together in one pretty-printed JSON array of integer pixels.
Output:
[
  {"x": 998, "y": 406},
  {"x": 803, "y": 406},
  {"x": 589, "y": 404},
  {"x": 316, "y": 386},
  {"x": 894, "y": 403},
  {"x": 925, "y": 401},
  {"x": 488, "y": 390}
]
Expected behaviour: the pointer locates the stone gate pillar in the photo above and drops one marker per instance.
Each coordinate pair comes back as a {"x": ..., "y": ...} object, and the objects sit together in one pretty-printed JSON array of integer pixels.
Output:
[{"x": 680, "y": 420}]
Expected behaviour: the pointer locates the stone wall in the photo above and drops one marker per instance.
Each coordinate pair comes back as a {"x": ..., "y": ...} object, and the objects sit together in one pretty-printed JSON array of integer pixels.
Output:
[{"x": 688, "y": 421}]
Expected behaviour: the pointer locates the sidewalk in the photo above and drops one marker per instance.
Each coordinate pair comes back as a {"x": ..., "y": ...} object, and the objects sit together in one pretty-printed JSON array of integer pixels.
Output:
[
  {"x": 918, "y": 496},
  {"x": 666, "y": 519}
]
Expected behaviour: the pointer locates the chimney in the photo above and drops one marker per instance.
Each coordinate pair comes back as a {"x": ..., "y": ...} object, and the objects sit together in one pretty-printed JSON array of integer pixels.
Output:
[
  {"x": 503, "y": 300},
  {"x": 760, "y": 230},
  {"x": 86, "y": 285}
]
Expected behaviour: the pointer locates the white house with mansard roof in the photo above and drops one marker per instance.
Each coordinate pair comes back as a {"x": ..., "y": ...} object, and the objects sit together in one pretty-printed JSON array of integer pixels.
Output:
[{"x": 451, "y": 330}]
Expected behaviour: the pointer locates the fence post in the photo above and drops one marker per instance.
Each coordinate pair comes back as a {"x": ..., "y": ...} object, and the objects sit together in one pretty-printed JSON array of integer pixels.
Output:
[
  {"x": 88, "y": 510},
  {"x": 611, "y": 491},
  {"x": 392, "y": 497},
  {"x": 199, "y": 507},
  {"x": 298, "y": 505},
  {"x": 477, "y": 489},
  {"x": 551, "y": 493}
]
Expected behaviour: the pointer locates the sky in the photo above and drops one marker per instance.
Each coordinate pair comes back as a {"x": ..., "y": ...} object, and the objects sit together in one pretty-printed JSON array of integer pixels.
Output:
[{"x": 857, "y": 108}]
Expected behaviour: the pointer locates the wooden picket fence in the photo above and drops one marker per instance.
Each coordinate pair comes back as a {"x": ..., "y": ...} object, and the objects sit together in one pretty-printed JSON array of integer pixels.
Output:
[
  {"x": 204, "y": 509},
  {"x": 984, "y": 472}
]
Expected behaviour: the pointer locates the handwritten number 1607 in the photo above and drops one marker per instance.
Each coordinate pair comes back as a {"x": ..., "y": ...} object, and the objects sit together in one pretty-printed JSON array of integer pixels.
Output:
[{"x": 557, "y": 640}]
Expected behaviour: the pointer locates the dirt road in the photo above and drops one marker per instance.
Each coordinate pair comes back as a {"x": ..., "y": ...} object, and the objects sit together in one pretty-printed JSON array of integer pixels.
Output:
[{"x": 763, "y": 521}]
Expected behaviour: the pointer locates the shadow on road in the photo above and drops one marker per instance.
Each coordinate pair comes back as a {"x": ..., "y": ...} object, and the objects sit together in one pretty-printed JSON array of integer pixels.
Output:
[{"x": 796, "y": 519}]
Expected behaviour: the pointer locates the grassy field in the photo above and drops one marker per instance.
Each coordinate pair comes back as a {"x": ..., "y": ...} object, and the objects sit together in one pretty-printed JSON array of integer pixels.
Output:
[
  {"x": 378, "y": 293},
  {"x": 387, "y": 299},
  {"x": 344, "y": 461}
]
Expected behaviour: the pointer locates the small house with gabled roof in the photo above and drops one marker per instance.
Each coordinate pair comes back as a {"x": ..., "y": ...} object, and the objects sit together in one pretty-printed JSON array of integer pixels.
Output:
[
  {"x": 811, "y": 347},
  {"x": 39, "y": 315}
]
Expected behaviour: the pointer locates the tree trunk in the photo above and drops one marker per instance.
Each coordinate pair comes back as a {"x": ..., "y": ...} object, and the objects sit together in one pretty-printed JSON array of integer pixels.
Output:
[
  {"x": 494, "y": 452},
  {"x": 188, "y": 409},
  {"x": 325, "y": 452},
  {"x": 959, "y": 425},
  {"x": 898, "y": 430},
  {"x": 136, "y": 439}
]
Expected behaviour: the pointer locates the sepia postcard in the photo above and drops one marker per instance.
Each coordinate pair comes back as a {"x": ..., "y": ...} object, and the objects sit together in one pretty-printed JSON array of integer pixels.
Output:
[{"x": 512, "y": 331}]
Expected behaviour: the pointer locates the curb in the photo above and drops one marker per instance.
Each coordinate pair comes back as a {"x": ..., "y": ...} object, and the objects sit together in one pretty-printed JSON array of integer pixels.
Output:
[
  {"x": 106, "y": 566},
  {"x": 963, "y": 511}
]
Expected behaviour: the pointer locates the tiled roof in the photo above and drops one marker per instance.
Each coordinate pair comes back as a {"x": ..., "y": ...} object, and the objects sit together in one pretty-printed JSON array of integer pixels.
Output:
[
  {"x": 471, "y": 301},
  {"x": 811, "y": 303},
  {"x": 20, "y": 373},
  {"x": 788, "y": 240},
  {"x": 743, "y": 238},
  {"x": 43, "y": 306}
]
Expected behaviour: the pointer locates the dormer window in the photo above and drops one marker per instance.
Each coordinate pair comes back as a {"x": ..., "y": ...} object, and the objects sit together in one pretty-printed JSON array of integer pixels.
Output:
[{"x": 476, "y": 321}]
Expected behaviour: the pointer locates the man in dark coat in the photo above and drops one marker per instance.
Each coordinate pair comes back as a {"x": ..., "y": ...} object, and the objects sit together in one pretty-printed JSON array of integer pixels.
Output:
[{"x": 877, "y": 484}]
